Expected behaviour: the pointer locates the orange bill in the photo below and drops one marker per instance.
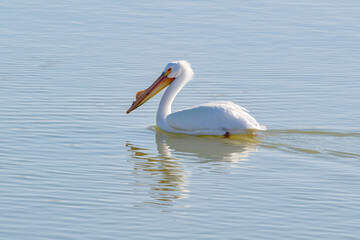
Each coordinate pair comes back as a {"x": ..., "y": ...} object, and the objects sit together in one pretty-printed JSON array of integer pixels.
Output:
[{"x": 143, "y": 96}]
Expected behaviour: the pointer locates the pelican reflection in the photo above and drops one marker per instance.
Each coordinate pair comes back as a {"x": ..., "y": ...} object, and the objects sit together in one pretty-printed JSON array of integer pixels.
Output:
[{"x": 166, "y": 172}]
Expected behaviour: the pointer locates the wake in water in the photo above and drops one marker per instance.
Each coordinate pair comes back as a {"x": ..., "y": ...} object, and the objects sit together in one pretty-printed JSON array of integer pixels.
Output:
[{"x": 326, "y": 143}]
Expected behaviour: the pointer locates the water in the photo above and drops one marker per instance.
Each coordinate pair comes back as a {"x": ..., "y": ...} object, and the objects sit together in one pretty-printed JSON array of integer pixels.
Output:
[{"x": 75, "y": 166}]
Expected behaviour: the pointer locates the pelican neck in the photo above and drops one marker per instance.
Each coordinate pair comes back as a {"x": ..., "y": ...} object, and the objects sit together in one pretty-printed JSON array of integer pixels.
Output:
[{"x": 167, "y": 99}]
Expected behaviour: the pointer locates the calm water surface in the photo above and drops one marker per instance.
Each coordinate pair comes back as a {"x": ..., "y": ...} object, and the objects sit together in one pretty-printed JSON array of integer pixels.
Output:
[{"x": 73, "y": 165}]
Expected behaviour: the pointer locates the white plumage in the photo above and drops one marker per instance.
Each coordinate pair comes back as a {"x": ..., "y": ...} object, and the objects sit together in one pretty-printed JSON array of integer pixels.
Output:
[{"x": 214, "y": 118}]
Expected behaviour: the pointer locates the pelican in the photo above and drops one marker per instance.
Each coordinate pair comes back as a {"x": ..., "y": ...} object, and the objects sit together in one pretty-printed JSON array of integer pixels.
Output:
[{"x": 214, "y": 118}]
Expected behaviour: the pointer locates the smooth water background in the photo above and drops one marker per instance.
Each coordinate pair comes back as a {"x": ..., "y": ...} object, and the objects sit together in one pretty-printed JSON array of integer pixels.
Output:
[{"x": 73, "y": 165}]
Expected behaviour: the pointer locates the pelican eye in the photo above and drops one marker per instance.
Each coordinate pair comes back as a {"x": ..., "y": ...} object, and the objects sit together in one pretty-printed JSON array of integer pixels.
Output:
[{"x": 169, "y": 70}]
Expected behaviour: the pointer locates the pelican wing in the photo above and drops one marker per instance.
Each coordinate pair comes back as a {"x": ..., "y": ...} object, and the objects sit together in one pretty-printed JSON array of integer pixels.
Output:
[{"x": 213, "y": 116}]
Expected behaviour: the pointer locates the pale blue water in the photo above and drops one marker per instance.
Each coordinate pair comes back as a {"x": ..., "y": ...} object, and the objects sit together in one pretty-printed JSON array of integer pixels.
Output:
[{"x": 73, "y": 165}]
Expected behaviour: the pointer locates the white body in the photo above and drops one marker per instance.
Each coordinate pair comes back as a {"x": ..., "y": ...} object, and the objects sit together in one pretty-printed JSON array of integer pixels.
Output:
[{"x": 215, "y": 118}]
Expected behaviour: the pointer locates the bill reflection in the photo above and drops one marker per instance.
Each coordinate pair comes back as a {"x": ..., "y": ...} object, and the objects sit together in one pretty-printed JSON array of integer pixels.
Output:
[{"x": 164, "y": 176}]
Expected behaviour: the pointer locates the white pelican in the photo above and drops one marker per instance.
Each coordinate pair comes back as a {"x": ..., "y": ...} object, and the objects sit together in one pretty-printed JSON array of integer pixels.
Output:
[{"x": 215, "y": 118}]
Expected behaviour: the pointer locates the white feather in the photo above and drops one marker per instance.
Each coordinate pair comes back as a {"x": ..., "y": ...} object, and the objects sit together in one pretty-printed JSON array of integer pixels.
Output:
[{"x": 226, "y": 116}]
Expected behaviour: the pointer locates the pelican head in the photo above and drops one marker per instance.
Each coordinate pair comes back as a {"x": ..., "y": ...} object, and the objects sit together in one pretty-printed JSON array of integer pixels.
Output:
[
  {"x": 172, "y": 71},
  {"x": 178, "y": 68}
]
